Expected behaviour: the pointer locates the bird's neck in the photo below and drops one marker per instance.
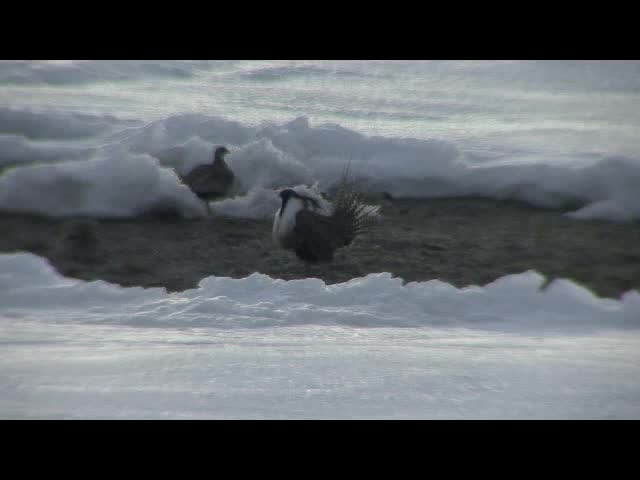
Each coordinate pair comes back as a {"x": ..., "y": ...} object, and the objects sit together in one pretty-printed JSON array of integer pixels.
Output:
[
  {"x": 285, "y": 220},
  {"x": 287, "y": 214}
]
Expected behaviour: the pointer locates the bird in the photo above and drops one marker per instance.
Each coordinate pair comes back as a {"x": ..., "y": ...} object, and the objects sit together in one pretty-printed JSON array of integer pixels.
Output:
[
  {"x": 300, "y": 224},
  {"x": 212, "y": 181}
]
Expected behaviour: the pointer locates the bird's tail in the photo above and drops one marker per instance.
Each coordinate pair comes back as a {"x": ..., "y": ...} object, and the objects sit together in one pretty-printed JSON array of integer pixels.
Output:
[{"x": 351, "y": 215}]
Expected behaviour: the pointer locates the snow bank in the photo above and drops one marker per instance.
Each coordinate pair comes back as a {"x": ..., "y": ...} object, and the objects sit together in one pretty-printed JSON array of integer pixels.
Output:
[
  {"x": 275, "y": 156},
  {"x": 28, "y": 285}
]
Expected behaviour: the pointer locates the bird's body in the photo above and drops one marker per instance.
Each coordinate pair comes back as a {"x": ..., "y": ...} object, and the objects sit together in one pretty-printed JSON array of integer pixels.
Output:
[
  {"x": 213, "y": 181},
  {"x": 301, "y": 226}
]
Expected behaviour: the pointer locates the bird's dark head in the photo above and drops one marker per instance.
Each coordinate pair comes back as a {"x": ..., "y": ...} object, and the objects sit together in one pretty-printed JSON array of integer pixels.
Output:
[
  {"x": 308, "y": 202},
  {"x": 286, "y": 194},
  {"x": 219, "y": 153}
]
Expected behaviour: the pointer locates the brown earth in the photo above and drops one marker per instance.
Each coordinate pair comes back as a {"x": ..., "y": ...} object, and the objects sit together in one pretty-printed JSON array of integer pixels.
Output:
[{"x": 463, "y": 241}]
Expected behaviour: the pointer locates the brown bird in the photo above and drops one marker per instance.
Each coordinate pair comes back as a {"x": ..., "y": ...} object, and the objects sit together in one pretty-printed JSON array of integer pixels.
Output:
[
  {"x": 213, "y": 181},
  {"x": 300, "y": 226}
]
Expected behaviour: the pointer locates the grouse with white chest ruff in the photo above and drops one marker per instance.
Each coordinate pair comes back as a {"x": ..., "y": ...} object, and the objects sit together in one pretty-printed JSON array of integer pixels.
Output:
[{"x": 300, "y": 225}]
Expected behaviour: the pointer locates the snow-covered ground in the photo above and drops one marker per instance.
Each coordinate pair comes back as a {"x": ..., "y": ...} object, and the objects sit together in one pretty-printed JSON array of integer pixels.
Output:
[
  {"x": 264, "y": 348},
  {"x": 108, "y": 137}
]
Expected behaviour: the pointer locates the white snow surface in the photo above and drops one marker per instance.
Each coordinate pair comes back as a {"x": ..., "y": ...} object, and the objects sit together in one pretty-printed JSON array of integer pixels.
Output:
[
  {"x": 264, "y": 348},
  {"x": 118, "y": 169}
]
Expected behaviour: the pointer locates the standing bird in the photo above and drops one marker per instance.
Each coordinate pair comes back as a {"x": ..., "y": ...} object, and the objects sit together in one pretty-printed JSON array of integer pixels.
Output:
[
  {"x": 300, "y": 226},
  {"x": 211, "y": 182}
]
